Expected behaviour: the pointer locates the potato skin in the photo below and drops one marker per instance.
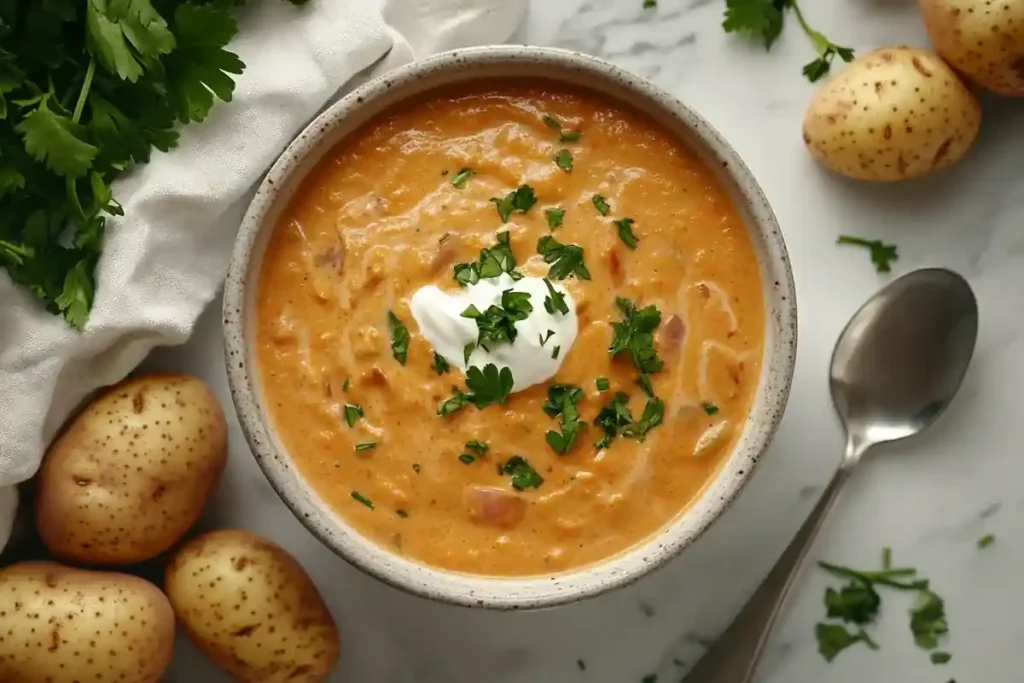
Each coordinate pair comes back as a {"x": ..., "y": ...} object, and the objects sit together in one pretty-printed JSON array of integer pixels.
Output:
[
  {"x": 252, "y": 609},
  {"x": 132, "y": 472},
  {"x": 893, "y": 114},
  {"x": 62, "y": 625},
  {"x": 982, "y": 39}
]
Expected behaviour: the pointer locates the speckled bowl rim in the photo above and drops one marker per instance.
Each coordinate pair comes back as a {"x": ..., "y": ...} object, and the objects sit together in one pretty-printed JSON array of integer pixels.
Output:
[{"x": 349, "y": 114}]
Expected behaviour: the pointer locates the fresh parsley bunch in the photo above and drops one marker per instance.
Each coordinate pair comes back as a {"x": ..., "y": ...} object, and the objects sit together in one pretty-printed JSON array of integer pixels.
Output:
[{"x": 87, "y": 89}]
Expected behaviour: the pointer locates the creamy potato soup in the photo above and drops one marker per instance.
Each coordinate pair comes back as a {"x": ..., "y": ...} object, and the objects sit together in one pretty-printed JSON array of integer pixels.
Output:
[{"x": 509, "y": 329}]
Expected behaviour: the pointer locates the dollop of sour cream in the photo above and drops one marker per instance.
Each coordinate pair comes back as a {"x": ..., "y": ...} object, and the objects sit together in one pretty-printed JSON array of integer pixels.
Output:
[{"x": 531, "y": 357}]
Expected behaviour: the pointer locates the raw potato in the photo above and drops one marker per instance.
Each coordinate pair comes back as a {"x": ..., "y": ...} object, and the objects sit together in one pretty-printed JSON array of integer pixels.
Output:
[
  {"x": 895, "y": 113},
  {"x": 132, "y": 472},
  {"x": 61, "y": 625},
  {"x": 252, "y": 609},
  {"x": 982, "y": 39}
]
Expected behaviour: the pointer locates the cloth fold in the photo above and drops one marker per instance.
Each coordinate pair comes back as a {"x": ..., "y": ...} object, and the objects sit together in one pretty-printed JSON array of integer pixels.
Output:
[{"x": 164, "y": 261}]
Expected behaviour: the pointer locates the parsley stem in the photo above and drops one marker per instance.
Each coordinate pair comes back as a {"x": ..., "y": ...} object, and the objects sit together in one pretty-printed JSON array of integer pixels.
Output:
[
  {"x": 885, "y": 577},
  {"x": 820, "y": 42},
  {"x": 84, "y": 94}
]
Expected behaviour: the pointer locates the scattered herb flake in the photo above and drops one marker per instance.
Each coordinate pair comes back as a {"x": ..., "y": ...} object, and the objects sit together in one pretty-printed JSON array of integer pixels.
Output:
[
  {"x": 709, "y": 408},
  {"x": 493, "y": 262},
  {"x": 834, "y": 638},
  {"x": 554, "y": 354},
  {"x": 521, "y": 199},
  {"x": 523, "y": 475},
  {"x": 940, "y": 657},
  {"x": 454, "y": 404},
  {"x": 478, "y": 447},
  {"x": 986, "y": 540},
  {"x": 581, "y": 665},
  {"x": 362, "y": 499},
  {"x": 570, "y": 136},
  {"x": 545, "y": 337},
  {"x": 552, "y": 122},
  {"x": 555, "y": 217},
  {"x": 882, "y": 254},
  {"x": 856, "y": 603},
  {"x": 601, "y": 204},
  {"x": 602, "y": 384},
  {"x": 345, "y": 384},
  {"x": 444, "y": 238},
  {"x": 886, "y": 557},
  {"x": 366, "y": 446},
  {"x": 626, "y": 234},
  {"x": 563, "y": 159},
  {"x": 654, "y": 413},
  {"x": 565, "y": 259},
  {"x": 467, "y": 459},
  {"x": 613, "y": 418},
  {"x": 462, "y": 177},
  {"x": 353, "y": 412},
  {"x": 440, "y": 364},
  {"x": 649, "y": 4},
  {"x": 928, "y": 620},
  {"x": 416, "y": 467},
  {"x": 561, "y": 403},
  {"x": 399, "y": 338},
  {"x": 635, "y": 335},
  {"x": 402, "y": 513}
]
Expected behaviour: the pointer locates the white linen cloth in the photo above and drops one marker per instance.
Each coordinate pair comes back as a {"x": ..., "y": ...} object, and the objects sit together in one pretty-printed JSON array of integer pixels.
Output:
[{"x": 165, "y": 260}]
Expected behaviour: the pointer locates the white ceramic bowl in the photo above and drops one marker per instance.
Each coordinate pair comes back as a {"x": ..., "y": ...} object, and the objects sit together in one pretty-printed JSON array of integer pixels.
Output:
[{"x": 347, "y": 116}]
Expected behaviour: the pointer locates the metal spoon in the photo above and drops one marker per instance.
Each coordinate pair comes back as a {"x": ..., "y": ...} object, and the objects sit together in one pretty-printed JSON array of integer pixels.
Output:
[{"x": 895, "y": 369}]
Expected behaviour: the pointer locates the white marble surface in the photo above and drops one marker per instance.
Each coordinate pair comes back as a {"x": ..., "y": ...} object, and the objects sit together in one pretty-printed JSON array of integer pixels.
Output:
[{"x": 930, "y": 499}]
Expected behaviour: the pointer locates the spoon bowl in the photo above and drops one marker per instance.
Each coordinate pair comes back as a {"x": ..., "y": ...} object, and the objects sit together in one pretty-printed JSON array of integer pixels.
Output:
[{"x": 902, "y": 357}]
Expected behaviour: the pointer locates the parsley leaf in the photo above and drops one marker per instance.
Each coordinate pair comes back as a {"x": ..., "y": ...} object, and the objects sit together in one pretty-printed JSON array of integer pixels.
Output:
[
  {"x": 882, "y": 254},
  {"x": 497, "y": 323},
  {"x": 56, "y": 140},
  {"x": 554, "y": 217},
  {"x": 940, "y": 657},
  {"x": 566, "y": 259},
  {"x": 649, "y": 4},
  {"x": 625, "y": 226},
  {"x": 353, "y": 412},
  {"x": 654, "y": 413},
  {"x": 478, "y": 447},
  {"x": 543, "y": 338},
  {"x": 857, "y": 602},
  {"x": 440, "y": 364},
  {"x": 602, "y": 384},
  {"x": 366, "y": 446},
  {"x": 986, "y": 540},
  {"x": 928, "y": 620},
  {"x": 561, "y": 403},
  {"x": 126, "y": 37},
  {"x": 709, "y": 408},
  {"x": 488, "y": 386},
  {"x": 362, "y": 499},
  {"x": 555, "y": 300},
  {"x": 570, "y": 136},
  {"x": 493, "y": 262},
  {"x": 467, "y": 459},
  {"x": 564, "y": 135},
  {"x": 523, "y": 475},
  {"x": 552, "y": 122},
  {"x": 563, "y": 159},
  {"x": 613, "y": 418},
  {"x": 635, "y": 335},
  {"x": 834, "y": 638},
  {"x": 457, "y": 402},
  {"x": 461, "y": 178},
  {"x": 521, "y": 199},
  {"x": 399, "y": 338},
  {"x": 601, "y": 204},
  {"x": 644, "y": 382}
]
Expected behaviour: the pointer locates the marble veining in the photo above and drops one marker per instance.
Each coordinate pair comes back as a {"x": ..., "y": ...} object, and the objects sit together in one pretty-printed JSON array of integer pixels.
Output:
[{"x": 929, "y": 499}]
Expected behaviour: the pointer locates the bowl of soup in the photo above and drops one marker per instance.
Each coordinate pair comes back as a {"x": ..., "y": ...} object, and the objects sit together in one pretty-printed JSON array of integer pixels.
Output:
[{"x": 509, "y": 327}]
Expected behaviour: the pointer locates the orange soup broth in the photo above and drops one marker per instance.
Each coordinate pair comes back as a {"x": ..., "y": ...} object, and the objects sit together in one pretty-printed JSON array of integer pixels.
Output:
[{"x": 380, "y": 217}]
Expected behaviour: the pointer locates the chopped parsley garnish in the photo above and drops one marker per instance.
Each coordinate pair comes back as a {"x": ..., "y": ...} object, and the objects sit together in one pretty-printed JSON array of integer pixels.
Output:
[
  {"x": 345, "y": 384},
  {"x": 570, "y": 136},
  {"x": 461, "y": 178},
  {"x": 366, "y": 446},
  {"x": 644, "y": 382},
  {"x": 709, "y": 408},
  {"x": 493, "y": 262},
  {"x": 554, "y": 354},
  {"x": 857, "y": 602},
  {"x": 440, "y": 364},
  {"x": 763, "y": 19},
  {"x": 882, "y": 254},
  {"x": 928, "y": 620},
  {"x": 654, "y": 413},
  {"x": 352, "y": 413},
  {"x": 545, "y": 337},
  {"x": 834, "y": 638},
  {"x": 940, "y": 657},
  {"x": 648, "y": 4},
  {"x": 613, "y": 418},
  {"x": 523, "y": 475},
  {"x": 467, "y": 351},
  {"x": 399, "y": 338},
  {"x": 555, "y": 300},
  {"x": 478, "y": 447},
  {"x": 602, "y": 384},
  {"x": 552, "y": 122},
  {"x": 986, "y": 540},
  {"x": 362, "y": 499},
  {"x": 444, "y": 238},
  {"x": 555, "y": 217},
  {"x": 467, "y": 459},
  {"x": 565, "y": 259},
  {"x": 454, "y": 404},
  {"x": 416, "y": 467},
  {"x": 521, "y": 199},
  {"x": 635, "y": 335},
  {"x": 601, "y": 204},
  {"x": 561, "y": 403},
  {"x": 563, "y": 159},
  {"x": 625, "y": 227},
  {"x": 402, "y": 513},
  {"x": 498, "y": 323},
  {"x": 486, "y": 387},
  {"x": 564, "y": 135}
]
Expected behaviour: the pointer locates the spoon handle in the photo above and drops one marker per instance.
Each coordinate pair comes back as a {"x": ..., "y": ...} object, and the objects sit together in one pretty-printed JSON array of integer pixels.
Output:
[{"x": 735, "y": 656}]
